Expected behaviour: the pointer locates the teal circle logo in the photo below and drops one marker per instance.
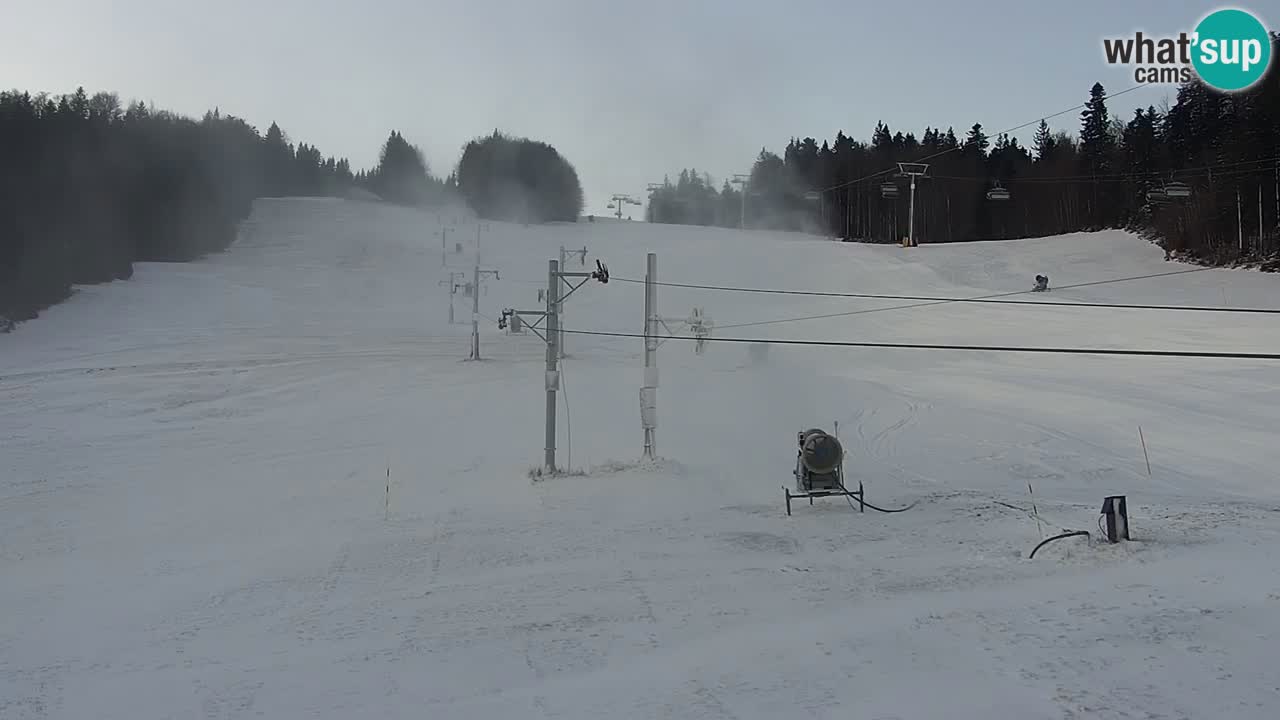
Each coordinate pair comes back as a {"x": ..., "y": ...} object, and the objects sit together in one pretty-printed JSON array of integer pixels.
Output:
[{"x": 1232, "y": 50}]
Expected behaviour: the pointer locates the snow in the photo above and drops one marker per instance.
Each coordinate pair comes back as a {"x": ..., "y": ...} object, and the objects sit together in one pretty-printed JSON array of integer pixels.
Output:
[{"x": 195, "y": 518}]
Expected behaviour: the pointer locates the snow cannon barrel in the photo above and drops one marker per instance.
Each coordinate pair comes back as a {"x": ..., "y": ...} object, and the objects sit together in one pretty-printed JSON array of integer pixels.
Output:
[{"x": 821, "y": 453}]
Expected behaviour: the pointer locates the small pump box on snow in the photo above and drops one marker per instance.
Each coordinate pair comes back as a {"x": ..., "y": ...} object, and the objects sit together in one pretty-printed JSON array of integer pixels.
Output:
[{"x": 1116, "y": 511}]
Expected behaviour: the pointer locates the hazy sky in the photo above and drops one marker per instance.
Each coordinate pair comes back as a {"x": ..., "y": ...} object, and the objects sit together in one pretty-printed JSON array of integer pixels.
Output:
[{"x": 627, "y": 91}]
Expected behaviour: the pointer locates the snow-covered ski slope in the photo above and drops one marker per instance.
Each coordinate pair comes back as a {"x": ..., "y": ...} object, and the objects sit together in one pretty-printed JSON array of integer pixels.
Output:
[{"x": 195, "y": 522}]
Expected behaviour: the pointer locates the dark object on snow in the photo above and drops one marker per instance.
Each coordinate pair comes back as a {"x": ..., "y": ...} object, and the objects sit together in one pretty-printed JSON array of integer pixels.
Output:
[
  {"x": 820, "y": 472},
  {"x": 820, "y": 454},
  {"x": 1067, "y": 534},
  {"x": 6, "y": 325},
  {"x": 1042, "y": 283},
  {"x": 601, "y": 272},
  {"x": 820, "y": 468},
  {"x": 1116, "y": 511}
]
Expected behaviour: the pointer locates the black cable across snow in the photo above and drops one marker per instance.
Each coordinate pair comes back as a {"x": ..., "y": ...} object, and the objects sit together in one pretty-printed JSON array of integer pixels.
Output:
[
  {"x": 975, "y": 348},
  {"x": 990, "y": 299},
  {"x": 1046, "y": 541}
]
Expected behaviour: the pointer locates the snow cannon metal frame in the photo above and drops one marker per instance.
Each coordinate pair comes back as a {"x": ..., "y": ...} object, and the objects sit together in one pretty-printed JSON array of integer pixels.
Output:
[{"x": 819, "y": 474}]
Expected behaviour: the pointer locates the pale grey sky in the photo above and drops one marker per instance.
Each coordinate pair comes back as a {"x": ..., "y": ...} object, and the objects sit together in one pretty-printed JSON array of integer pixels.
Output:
[{"x": 627, "y": 91}]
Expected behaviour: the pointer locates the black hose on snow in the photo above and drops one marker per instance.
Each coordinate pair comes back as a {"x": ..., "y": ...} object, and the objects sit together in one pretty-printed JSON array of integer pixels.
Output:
[
  {"x": 894, "y": 510},
  {"x": 1046, "y": 541}
]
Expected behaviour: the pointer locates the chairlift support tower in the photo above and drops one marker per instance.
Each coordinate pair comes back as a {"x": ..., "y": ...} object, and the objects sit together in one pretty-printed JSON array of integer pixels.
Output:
[
  {"x": 652, "y": 188},
  {"x": 912, "y": 170},
  {"x": 618, "y": 200},
  {"x": 820, "y": 197},
  {"x": 743, "y": 181}
]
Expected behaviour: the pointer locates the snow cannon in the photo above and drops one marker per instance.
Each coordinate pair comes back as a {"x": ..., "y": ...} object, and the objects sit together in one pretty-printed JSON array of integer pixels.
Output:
[
  {"x": 820, "y": 454},
  {"x": 820, "y": 468}
]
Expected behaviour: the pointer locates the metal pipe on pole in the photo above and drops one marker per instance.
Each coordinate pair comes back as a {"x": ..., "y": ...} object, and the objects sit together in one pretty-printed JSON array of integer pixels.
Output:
[
  {"x": 649, "y": 391},
  {"x": 620, "y": 199},
  {"x": 743, "y": 181},
  {"x": 480, "y": 226},
  {"x": 1239, "y": 222},
  {"x": 848, "y": 213},
  {"x": 475, "y": 312},
  {"x": 475, "y": 307},
  {"x": 553, "y": 372},
  {"x": 914, "y": 170},
  {"x": 555, "y": 297},
  {"x": 911, "y": 210},
  {"x": 560, "y": 340}
]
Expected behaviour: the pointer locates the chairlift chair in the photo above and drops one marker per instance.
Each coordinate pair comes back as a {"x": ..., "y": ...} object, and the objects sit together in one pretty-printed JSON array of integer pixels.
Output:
[
  {"x": 997, "y": 193},
  {"x": 1177, "y": 190},
  {"x": 888, "y": 190}
]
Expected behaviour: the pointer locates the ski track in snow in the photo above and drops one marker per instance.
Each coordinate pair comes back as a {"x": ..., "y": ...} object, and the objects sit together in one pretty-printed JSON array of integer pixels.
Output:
[{"x": 267, "y": 484}]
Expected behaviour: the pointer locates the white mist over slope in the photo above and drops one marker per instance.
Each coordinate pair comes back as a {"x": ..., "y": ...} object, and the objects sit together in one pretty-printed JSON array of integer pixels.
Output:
[{"x": 194, "y": 516}]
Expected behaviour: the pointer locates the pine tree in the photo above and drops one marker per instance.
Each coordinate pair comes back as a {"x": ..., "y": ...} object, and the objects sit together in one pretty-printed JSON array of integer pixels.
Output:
[
  {"x": 1139, "y": 142},
  {"x": 1096, "y": 150},
  {"x": 402, "y": 175},
  {"x": 518, "y": 179},
  {"x": 881, "y": 139},
  {"x": 1096, "y": 142},
  {"x": 976, "y": 141},
  {"x": 1043, "y": 142},
  {"x": 277, "y": 161}
]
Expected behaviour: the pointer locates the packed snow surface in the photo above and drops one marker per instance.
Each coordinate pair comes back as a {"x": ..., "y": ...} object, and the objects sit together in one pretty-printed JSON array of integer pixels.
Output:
[{"x": 269, "y": 484}]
